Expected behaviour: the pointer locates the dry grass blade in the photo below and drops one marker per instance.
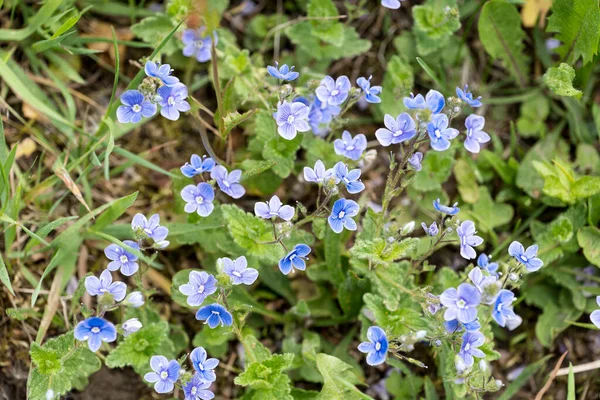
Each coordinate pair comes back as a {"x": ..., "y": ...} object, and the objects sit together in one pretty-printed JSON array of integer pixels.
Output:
[
  {"x": 541, "y": 393},
  {"x": 52, "y": 307},
  {"x": 64, "y": 176}
]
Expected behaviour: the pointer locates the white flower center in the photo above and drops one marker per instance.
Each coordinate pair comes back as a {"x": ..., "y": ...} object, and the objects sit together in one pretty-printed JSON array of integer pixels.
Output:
[
  {"x": 341, "y": 214},
  {"x": 292, "y": 257},
  {"x": 216, "y": 313},
  {"x": 164, "y": 375},
  {"x": 236, "y": 273},
  {"x": 226, "y": 184},
  {"x": 523, "y": 258},
  {"x": 335, "y": 92},
  {"x": 103, "y": 290},
  {"x": 291, "y": 119},
  {"x": 95, "y": 329},
  {"x": 397, "y": 133},
  {"x": 461, "y": 303},
  {"x": 469, "y": 132},
  {"x": 437, "y": 133},
  {"x": 350, "y": 148},
  {"x": 194, "y": 390},
  {"x": 201, "y": 289},
  {"x": 377, "y": 346},
  {"x": 467, "y": 346},
  {"x": 171, "y": 100},
  {"x": 199, "y": 44},
  {"x": 148, "y": 231},
  {"x": 123, "y": 259},
  {"x": 199, "y": 200},
  {"x": 136, "y": 108},
  {"x": 464, "y": 240},
  {"x": 201, "y": 367}
]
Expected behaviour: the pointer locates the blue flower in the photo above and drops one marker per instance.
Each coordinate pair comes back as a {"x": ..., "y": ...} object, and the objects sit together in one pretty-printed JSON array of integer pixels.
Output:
[
  {"x": 165, "y": 374},
  {"x": 318, "y": 174},
  {"x": 294, "y": 259},
  {"x": 475, "y": 135},
  {"x": 377, "y": 346},
  {"x": 228, "y": 182},
  {"x": 197, "y": 46},
  {"x": 333, "y": 92},
  {"x": 350, "y": 179},
  {"x": 121, "y": 258},
  {"x": 197, "y": 388},
  {"x": 503, "y": 310},
  {"x": 321, "y": 115},
  {"x": 284, "y": 72},
  {"x": 371, "y": 92},
  {"x": 467, "y": 97},
  {"x": 398, "y": 130},
  {"x": 238, "y": 271},
  {"x": 200, "y": 286},
  {"x": 481, "y": 280},
  {"x": 134, "y": 107},
  {"x": 439, "y": 133},
  {"x": 462, "y": 303},
  {"x": 595, "y": 315},
  {"x": 291, "y": 118},
  {"x": 99, "y": 287},
  {"x": 134, "y": 299},
  {"x": 455, "y": 326},
  {"x": 197, "y": 165},
  {"x": 150, "y": 227},
  {"x": 173, "y": 100},
  {"x": 214, "y": 314},
  {"x": 350, "y": 147},
  {"x": 483, "y": 261},
  {"x": 341, "y": 215},
  {"x": 469, "y": 347},
  {"x": 434, "y": 101},
  {"x": 392, "y": 4},
  {"x": 445, "y": 209},
  {"x": 466, "y": 233},
  {"x": 203, "y": 366},
  {"x": 199, "y": 198},
  {"x": 130, "y": 326},
  {"x": 432, "y": 230},
  {"x": 95, "y": 330},
  {"x": 273, "y": 209},
  {"x": 415, "y": 161},
  {"x": 526, "y": 257},
  {"x": 161, "y": 72}
]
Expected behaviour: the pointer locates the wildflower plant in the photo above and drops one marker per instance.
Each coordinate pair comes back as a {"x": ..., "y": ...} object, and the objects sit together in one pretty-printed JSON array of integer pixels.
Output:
[{"x": 305, "y": 180}]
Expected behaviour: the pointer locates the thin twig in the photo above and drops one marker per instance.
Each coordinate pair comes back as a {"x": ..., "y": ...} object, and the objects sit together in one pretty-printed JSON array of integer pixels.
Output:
[{"x": 541, "y": 393}]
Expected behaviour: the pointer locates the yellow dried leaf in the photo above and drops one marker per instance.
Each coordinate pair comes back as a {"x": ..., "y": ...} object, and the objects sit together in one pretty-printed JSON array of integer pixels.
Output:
[
  {"x": 25, "y": 148},
  {"x": 534, "y": 9}
]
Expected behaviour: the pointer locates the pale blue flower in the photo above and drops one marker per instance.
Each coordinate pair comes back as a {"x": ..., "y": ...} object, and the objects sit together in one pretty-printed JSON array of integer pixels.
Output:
[
  {"x": 273, "y": 208},
  {"x": 197, "y": 46},
  {"x": 439, "y": 133},
  {"x": 321, "y": 115},
  {"x": 197, "y": 166},
  {"x": 391, "y": 4},
  {"x": 481, "y": 280},
  {"x": 150, "y": 227},
  {"x": 165, "y": 374},
  {"x": 333, "y": 92},
  {"x": 238, "y": 271},
  {"x": 503, "y": 310},
  {"x": 371, "y": 92},
  {"x": 161, "y": 72},
  {"x": 121, "y": 258},
  {"x": 104, "y": 285},
  {"x": 295, "y": 259},
  {"x": 284, "y": 72},
  {"x": 130, "y": 326},
  {"x": 95, "y": 330},
  {"x": 319, "y": 174},
  {"x": 173, "y": 100},
  {"x": 350, "y": 147},
  {"x": 456, "y": 326},
  {"x": 475, "y": 135},
  {"x": 466, "y": 233},
  {"x": 377, "y": 346},
  {"x": 341, "y": 215},
  {"x": 213, "y": 315},
  {"x": 461, "y": 303},
  {"x": 432, "y": 230},
  {"x": 200, "y": 286},
  {"x": 134, "y": 107},
  {"x": 453, "y": 210},
  {"x": 526, "y": 257},
  {"x": 467, "y": 97},
  {"x": 398, "y": 130},
  {"x": 228, "y": 182},
  {"x": 351, "y": 179},
  {"x": 469, "y": 347},
  {"x": 204, "y": 367},
  {"x": 483, "y": 261},
  {"x": 197, "y": 389},
  {"x": 199, "y": 198},
  {"x": 291, "y": 118},
  {"x": 434, "y": 101},
  {"x": 595, "y": 315},
  {"x": 134, "y": 299},
  {"x": 415, "y": 161}
]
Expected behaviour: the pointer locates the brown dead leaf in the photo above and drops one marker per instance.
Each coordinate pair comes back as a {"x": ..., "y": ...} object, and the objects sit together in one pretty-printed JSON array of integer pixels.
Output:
[
  {"x": 25, "y": 148},
  {"x": 64, "y": 176},
  {"x": 534, "y": 9}
]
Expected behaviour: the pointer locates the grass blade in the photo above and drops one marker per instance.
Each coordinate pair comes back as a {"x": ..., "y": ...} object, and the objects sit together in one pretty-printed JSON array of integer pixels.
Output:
[{"x": 4, "y": 276}]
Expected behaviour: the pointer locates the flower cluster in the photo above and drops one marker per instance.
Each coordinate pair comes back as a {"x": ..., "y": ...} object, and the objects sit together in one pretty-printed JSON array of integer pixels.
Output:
[
  {"x": 159, "y": 88},
  {"x": 199, "y": 198}
]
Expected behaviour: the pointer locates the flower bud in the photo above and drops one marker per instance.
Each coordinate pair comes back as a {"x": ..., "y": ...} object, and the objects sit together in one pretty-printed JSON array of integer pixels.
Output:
[
  {"x": 130, "y": 326},
  {"x": 407, "y": 228},
  {"x": 134, "y": 299},
  {"x": 162, "y": 244},
  {"x": 313, "y": 84},
  {"x": 285, "y": 91},
  {"x": 513, "y": 277},
  {"x": 148, "y": 87}
]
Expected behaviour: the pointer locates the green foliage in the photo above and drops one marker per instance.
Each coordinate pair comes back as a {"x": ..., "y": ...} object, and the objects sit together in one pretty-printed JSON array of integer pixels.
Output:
[
  {"x": 61, "y": 364},
  {"x": 398, "y": 82},
  {"x": 153, "y": 30},
  {"x": 267, "y": 378},
  {"x": 589, "y": 238},
  {"x": 434, "y": 24},
  {"x": 577, "y": 25},
  {"x": 380, "y": 252},
  {"x": 137, "y": 348},
  {"x": 339, "y": 380},
  {"x": 502, "y": 37},
  {"x": 561, "y": 182},
  {"x": 560, "y": 81},
  {"x": 437, "y": 167},
  {"x": 532, "y": 121}
]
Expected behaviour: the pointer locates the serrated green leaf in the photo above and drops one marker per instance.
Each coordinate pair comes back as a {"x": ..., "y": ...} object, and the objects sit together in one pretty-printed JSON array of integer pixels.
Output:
[
  {"x": 398, "y": 82},
  {"x": 560, "y": 81},
  {"x": 589, "y": 238},
  {"x": 434, "y": 24},
  {"x": 339, "y": 380}
]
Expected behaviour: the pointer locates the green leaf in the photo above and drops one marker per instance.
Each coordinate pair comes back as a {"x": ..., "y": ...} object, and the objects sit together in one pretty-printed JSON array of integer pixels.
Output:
[
  {"x": 434, "y": 25},
  {"x": 437, "y": 167},
  {"x": 502, "y": 37},
  {"x": 380, "y": 252},
  {"x": 338, "y": 380},
  {"x": 268, "y": 373},
  {"x": 216, "y": 341},
  {"x": 513, "y": 387},
  {"x": 59, "y": 366},
  {"x": 577, "y": 25},
  {"x": 490, "y": 214},
  {"x": 4, "y": 278},
  {"x": 532, "y": 121},
  {"x": 467, "y": 181},
  {"x": 41, "y": 17},
  {"x": 283, "y": 152},
  {"x": 571, "y": 384},
  {"x": 589, "y": 238},
  {"x": 116, "y": 209},
  {"x": 328, "y": 30},
  {"x": 398, "y": 82},
  {"x": 560, "y": 81},
  {"x": 137, "y": 348},
  {"x": 154, "y": 29},
  {"x": 308, "y": 41}
]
